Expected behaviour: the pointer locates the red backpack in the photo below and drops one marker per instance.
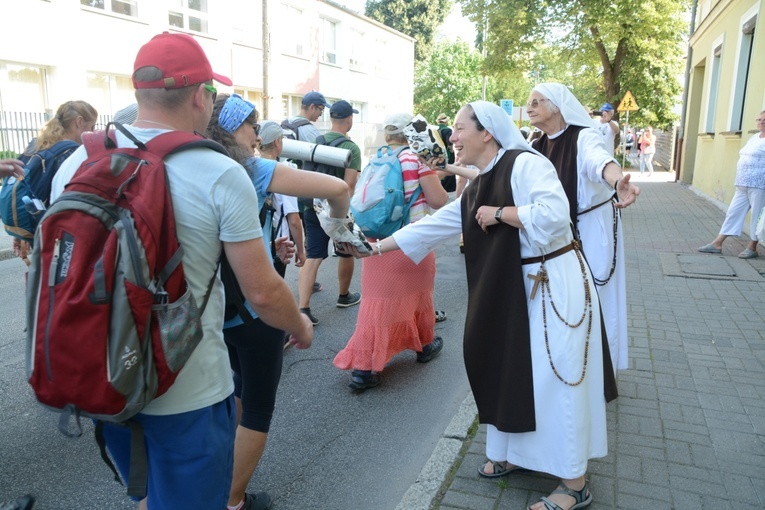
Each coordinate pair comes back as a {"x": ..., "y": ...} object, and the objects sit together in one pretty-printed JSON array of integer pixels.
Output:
[{"x": 111, "y": 319}]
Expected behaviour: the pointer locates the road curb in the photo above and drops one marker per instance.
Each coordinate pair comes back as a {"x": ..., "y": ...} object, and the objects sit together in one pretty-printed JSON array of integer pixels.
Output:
[{"x": 422, "y": 493}]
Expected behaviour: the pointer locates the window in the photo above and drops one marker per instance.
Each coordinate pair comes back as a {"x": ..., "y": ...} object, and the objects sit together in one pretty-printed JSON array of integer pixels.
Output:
[
  {"x": 328, "y": 41},
  {"x": 124, "y": 7},
  {"x": 714, "y": 86},
  {"x": 742, "y": 73},
  {"x": 109, "y": 93},
  {"x": 356, "y": 61},
  {"x": 23, "y": 105},
  {"x": 246, "y": 25},
  {"x": 381, "y": 68},
  {"x": 297, "y": 36},
  {"x": 189, "y": 15}
]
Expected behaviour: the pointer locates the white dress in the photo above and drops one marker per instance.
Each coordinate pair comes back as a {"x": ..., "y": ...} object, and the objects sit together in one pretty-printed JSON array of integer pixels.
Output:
[
  {"x": 596, "y": 230},
  {"x": 570, "y": 421}
]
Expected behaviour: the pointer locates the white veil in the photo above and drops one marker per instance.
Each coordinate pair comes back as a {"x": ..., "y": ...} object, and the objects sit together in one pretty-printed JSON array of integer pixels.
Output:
[{"x": 573, "y": 112}]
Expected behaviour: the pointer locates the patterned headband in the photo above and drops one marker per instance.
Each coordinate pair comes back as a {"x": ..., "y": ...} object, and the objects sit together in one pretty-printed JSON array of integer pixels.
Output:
[{"x": 234, "y": 112}]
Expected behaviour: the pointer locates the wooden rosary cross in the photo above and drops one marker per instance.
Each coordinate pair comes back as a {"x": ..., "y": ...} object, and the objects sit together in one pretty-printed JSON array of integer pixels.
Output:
[{"x": 538, "y": 278}]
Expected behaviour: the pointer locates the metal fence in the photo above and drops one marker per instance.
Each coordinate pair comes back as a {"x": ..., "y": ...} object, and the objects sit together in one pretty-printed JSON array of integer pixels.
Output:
[{"x": 17, "y": 129}]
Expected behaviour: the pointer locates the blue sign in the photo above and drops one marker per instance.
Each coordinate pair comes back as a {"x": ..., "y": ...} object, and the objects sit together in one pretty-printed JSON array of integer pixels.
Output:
[{"x": 507, "y": 105}]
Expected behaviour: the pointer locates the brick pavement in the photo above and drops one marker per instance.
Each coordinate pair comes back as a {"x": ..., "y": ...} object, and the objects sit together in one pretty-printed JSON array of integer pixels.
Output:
[{"x": 688, "y": 430}]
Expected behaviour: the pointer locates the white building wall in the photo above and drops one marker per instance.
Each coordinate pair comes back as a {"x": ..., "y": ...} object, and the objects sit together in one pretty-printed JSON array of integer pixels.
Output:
[{"x": 79, "y": 47}]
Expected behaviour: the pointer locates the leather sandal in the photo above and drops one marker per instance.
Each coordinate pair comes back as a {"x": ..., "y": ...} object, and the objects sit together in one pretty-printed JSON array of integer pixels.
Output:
[
  {"x": 497, "y": 469},
  {"x": 582, "y": 498}
]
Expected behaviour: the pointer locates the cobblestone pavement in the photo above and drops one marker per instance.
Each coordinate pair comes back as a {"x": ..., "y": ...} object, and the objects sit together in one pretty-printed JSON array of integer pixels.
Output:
[{"x": 688, "y": 430}]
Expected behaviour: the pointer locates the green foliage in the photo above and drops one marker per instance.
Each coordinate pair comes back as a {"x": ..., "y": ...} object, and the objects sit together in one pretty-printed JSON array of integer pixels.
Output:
[
  {"x": 416, "y": 18},
  {"x": 447, "y": 80},
  {"x": 599, "y": 49},
  {"x": 8, "y": 154}
]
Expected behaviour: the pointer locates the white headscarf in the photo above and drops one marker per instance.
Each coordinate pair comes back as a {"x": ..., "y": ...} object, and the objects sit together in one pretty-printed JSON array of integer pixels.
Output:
[
  {"x": 570, "y": 108},
  {"x": 499, "y": 124}
]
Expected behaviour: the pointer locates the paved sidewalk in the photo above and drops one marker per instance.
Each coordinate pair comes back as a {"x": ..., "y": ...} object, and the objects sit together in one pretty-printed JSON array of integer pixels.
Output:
[
  {"x": 6, "y": 244},
  {"x": 688, "y": 430}
]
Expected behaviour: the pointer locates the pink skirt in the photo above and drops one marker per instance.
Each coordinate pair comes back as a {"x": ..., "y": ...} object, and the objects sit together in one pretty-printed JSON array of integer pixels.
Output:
[{"x": 396, "y": 311}]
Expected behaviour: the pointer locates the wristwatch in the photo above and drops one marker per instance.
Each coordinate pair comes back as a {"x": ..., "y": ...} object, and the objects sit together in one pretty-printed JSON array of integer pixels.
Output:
[{"x": 498, "y": 215}]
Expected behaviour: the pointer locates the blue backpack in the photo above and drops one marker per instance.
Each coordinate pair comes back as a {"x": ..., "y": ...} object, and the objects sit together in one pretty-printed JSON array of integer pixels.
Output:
[
  {"x": 378, "y": 204},
  {"x": 23, "y": 201}
]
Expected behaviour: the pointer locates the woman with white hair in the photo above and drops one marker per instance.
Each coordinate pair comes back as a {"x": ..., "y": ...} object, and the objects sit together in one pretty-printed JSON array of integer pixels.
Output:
[
  {"x": 533, "y": 348},
  {"x": 596, "y": 190}
]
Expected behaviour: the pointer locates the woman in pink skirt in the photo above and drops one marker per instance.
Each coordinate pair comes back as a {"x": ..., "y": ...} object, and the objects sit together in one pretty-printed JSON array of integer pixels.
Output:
[{"x": 397, "y": 311}]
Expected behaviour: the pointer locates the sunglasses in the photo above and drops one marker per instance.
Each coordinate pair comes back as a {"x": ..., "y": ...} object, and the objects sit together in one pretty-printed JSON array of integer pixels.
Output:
[{"x": 212, "y": 90}]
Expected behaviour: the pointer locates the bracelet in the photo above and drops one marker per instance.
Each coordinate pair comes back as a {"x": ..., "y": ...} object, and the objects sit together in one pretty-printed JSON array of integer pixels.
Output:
[
  {"x": 379, "y": 249},
  {"x": 617, "y": 183}
]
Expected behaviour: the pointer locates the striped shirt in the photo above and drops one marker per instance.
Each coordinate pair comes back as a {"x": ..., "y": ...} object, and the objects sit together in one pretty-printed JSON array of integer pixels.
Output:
[{"x": 412, "y": 170}]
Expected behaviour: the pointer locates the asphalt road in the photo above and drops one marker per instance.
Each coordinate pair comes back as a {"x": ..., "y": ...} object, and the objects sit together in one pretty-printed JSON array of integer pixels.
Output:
[{"x": 329, "y": 448}]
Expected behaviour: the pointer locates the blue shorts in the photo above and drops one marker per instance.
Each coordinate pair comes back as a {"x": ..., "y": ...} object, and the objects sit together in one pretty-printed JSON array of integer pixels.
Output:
[
  {"x": 190, "y": 456},
  {"x": 316, "y": 240}
]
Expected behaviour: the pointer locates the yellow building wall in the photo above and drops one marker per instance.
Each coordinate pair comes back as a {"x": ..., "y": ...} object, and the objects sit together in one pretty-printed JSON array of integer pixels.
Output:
[{"x": 710, "y": 156}]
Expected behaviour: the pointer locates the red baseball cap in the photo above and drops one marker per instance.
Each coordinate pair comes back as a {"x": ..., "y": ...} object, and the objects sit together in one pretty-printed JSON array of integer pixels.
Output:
[{"x": 180, "y": 58}]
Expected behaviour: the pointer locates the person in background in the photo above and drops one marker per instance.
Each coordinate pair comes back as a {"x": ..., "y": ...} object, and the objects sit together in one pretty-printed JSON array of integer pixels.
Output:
[
  {"x": 592, "y": 179},
  {"x": 190, "y": 430},
  {"x": 539, "y": 380},
  {"x": 57, "y": 140},
  {"x": 397, "y": 311},
  {"x": 608, "y": 127},
  {"x": 647, "y": 150},
  {"x": 448, "y": 181},
  {"x": 127, "y": 115},
  {"x": 255, "y": 348},
  {"x": 286, "y": 216},
  {"x": 749, "y": 195},
  {"x": 317, "y": 241}
]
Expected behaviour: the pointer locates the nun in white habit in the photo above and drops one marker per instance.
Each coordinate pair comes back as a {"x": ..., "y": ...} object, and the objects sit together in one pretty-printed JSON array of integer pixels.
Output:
[
  {"x": 539, "y": 382},
  {"x": 590, "y": 178}
]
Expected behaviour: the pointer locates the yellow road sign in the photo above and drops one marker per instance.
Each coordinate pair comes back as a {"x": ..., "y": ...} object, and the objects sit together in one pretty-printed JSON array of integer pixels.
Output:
[{"x": 628, "y": 103}]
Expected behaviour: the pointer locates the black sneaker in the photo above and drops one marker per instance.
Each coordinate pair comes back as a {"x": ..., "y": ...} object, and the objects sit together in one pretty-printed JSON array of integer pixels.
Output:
[
  {"x": 431, "y": 350},
  {"x": 350, "y": 299},
  {"x": 364, "y": 379},
  {"x": 307, "y": 311},
  {"x": 317, "y": 287},
  {"x": 257, "y": 501}
]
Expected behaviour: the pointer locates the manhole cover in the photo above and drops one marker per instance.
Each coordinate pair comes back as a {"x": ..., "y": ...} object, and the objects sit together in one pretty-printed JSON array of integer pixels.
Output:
[{"x": 712, "y": 267}]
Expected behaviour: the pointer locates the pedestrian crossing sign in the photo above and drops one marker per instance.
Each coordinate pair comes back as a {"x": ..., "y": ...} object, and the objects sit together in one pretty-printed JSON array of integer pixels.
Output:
[{"x": 628, "y": 103}]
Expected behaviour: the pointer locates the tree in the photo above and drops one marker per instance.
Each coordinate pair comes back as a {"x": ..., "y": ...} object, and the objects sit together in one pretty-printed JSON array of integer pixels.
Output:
[
  {"x": 448, "y": 79},
  {"x": 416, "y": 18},
  {"x": 634, "y": 45}
]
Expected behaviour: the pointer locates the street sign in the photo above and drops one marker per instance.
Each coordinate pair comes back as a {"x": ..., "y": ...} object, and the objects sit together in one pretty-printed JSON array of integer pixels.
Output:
[
  {"x": 507, "y": 105},
  {"x": 628, "y": 103}
]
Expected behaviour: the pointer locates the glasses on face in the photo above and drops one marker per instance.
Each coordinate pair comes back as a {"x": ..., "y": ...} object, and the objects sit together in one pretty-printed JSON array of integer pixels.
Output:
[
  {"x": 534, "y": 103},
  {"x": 212, "y": 90},
  {"x": 759, "y": 121},
  {"x": 255, "y": 127}
]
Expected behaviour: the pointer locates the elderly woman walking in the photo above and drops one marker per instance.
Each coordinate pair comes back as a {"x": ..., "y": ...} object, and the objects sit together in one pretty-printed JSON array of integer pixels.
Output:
[
  {"x": 596, "y": 190},
  {"x": 533, "y": 350}
]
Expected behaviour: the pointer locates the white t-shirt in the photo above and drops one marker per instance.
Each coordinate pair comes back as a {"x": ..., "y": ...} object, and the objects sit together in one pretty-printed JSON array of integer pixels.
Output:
[
  {"x": 214, "y": 201},
  {"x": 290, "y": 205},
  {"x": 608, "y": 135}
]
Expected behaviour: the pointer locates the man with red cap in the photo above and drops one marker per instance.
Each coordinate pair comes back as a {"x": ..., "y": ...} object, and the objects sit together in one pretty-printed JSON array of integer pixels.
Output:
[{"x": 189, "y": 430}]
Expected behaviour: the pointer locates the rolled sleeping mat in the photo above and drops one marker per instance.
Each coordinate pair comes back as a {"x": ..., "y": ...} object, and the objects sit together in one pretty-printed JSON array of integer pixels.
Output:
[{"x": 304, "y": 151}]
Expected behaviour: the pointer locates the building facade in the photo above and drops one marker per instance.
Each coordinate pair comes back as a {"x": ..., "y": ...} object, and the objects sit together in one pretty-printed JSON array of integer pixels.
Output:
[
  {"x": 726, "y": 91},
  {"x": 88, "y": 48}
]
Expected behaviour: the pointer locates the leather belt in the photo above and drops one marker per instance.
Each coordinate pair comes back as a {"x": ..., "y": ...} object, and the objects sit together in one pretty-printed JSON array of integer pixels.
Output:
[
  {"x": 556, "y": 253},
  {"x": 596, "y": 206}
]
